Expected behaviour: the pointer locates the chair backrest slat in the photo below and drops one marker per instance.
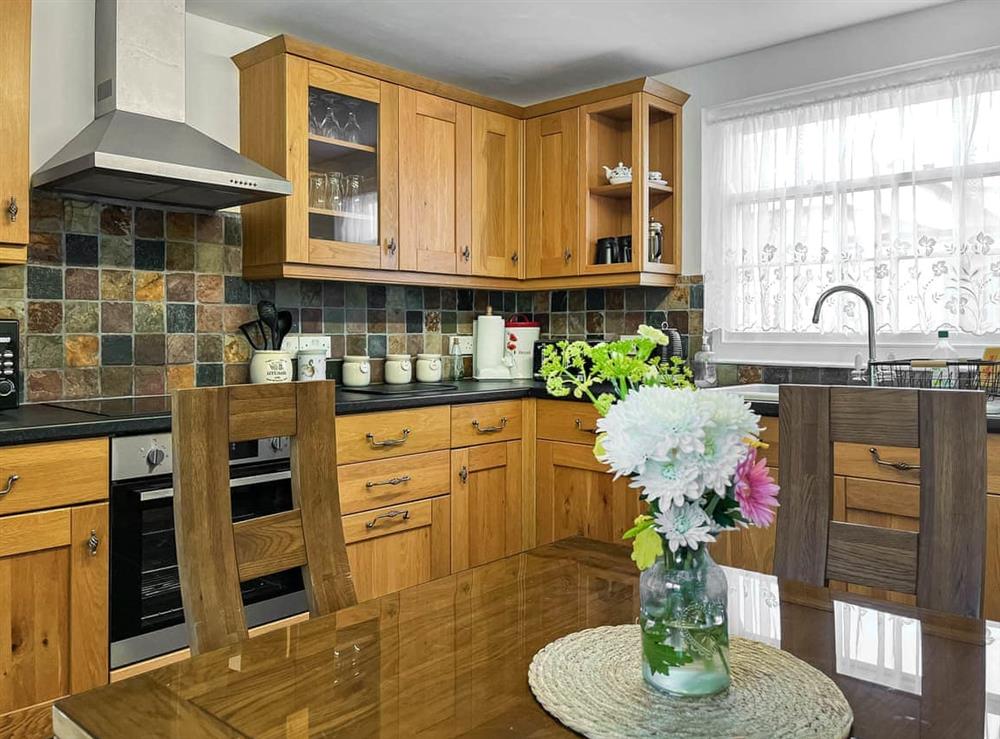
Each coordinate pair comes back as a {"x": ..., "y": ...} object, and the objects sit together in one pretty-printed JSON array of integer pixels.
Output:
[
  {"x": 873, "y": 556},
  {"x": 214, "y": 555},
  {"x": 805, "y": 461},
  {"x": 943, "y": 564},
  {"x": 952, "y": 501},
  {"x": 269, "y": 544}
]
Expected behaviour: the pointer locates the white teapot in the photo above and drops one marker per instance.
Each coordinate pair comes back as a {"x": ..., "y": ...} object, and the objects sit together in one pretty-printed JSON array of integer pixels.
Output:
[{"x": 619, "y": 174}]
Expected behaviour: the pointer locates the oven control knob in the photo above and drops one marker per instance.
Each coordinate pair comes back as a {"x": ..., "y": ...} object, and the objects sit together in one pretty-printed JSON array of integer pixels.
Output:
[
  {"x": 278, "y": 443},
  {"x": 155, "y": 456},
  {"x": 6, "y": 388}
]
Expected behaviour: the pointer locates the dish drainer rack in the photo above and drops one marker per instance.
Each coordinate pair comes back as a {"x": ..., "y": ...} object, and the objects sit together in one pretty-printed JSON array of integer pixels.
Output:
[{"x": 957, "y": 374}]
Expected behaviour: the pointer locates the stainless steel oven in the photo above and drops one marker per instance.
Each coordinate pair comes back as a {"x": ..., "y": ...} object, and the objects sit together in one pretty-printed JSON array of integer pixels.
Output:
[{"x": 147, "y": 617}]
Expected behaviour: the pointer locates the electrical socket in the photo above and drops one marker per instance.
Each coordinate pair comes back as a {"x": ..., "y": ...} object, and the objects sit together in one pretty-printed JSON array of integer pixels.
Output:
[
  {"x": 464, "y": 344},
  {"x": 302, "y": 343}
]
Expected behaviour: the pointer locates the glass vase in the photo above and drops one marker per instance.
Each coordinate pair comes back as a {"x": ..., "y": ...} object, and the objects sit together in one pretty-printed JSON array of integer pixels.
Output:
[{"x": 685, "y": 632}]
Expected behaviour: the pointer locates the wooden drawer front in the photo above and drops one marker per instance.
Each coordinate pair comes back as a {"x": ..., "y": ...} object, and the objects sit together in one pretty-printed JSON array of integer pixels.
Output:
[
  {"x": 368, "y": 485},
  {"x": 53, "y": 474},
  {"x": 567, "y": 420},
  {"x": 854, "y": 460},
  {"x": 485, "y": 423},
  {"x": 388, "y": 520},
  {"x": 892, "y": 498},
  {"x": 370, "y": 436},
  {"x": 993, "y": 463}
]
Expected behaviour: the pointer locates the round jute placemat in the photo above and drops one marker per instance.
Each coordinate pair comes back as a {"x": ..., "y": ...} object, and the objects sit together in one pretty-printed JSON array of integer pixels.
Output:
[{"x": 592, "y": 682}]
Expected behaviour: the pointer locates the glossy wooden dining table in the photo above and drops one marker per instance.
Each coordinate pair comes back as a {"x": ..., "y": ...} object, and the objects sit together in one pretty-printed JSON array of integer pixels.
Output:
[{"x": 450, "y": 657}]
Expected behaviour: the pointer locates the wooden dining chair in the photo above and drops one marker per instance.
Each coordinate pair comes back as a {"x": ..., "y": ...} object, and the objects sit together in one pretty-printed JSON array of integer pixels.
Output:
[
  {"x": 215, "y": 555},
  {"x": 943, "y": 564}
]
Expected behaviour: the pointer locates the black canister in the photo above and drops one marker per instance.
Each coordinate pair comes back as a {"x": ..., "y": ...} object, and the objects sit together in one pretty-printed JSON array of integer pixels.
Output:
[
  {"x": 624, "y": 248},
  {"x": 607, "y": 250}
]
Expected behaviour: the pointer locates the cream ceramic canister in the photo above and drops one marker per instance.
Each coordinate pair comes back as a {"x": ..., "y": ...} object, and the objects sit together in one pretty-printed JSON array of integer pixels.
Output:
[
  {"x": 312, "y": 365},
  {"x": 270, "y": 366},
  {"x": 357, "y": 371},
  {"x": 428, "y": 368},
  {"x": 398, "y": 369}
]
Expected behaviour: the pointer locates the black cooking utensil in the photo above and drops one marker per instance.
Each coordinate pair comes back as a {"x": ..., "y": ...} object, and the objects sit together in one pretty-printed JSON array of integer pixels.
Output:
[
  {"x": 254, "y": 331},
  {"x": 269, "y": 315},
  {"x": 284, "y": 325}
]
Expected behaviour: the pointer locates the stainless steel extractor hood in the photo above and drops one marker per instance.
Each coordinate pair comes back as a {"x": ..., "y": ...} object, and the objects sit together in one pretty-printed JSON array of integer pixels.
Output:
[{"x": 139, "y": 147}]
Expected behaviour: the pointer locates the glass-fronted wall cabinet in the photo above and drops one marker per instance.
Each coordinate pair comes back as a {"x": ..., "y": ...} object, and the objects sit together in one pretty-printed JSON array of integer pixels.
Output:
[{"x": 333, "y": 134}]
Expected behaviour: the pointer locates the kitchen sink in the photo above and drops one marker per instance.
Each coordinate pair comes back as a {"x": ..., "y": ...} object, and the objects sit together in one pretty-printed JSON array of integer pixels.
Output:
[{"x": 761, "y": 391}]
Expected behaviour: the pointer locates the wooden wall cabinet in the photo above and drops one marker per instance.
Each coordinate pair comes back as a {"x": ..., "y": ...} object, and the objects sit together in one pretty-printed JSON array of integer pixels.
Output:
[
  {"x": 455, "y": 189},
  {"x": 551, "y": 194},
  {"x": 435, "y": 146},
  {"x": 15, "y": 62},
  {"x": 496, "y": 195}
]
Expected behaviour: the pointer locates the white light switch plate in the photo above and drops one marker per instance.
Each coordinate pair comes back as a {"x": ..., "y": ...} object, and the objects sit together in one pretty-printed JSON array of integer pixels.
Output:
[{"x": 301, "y": 343}]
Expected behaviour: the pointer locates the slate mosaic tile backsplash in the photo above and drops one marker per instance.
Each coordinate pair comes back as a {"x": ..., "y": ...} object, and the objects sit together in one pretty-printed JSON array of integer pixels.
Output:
[{"x": 118, "y": 300}]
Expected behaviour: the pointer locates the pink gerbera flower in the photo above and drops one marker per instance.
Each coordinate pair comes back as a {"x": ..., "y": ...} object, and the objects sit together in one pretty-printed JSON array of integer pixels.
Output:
[{"x": 756, "y": 492}]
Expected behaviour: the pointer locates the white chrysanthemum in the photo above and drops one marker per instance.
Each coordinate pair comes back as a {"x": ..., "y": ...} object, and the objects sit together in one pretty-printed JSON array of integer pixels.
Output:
[
  {"x": 671, "y": 483},
  {"x": 652, "y": 423},
  {"x": 730, "y": 422},
  {"x": 684, "y": 526}
]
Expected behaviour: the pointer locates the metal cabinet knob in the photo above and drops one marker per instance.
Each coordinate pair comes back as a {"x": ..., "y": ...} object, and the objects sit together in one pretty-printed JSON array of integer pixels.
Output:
[
  {"x": 466, "y": 253},
  {"x": 93, "y": 542},
  {"x": 391, "y": 246},
  {"x": 567, "y": 256},
  {"x": 514, "y": 257},
  {"x": 12, "y": 209},
  {"x": 463, "y": 474}
]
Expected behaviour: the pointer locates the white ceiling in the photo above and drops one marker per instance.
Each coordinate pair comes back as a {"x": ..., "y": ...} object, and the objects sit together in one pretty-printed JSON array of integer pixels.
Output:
[{"x": 524, "y": 52}]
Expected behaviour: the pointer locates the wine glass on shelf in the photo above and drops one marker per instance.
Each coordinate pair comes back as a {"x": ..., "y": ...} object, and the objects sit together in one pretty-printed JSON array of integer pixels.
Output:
[
  {"x": 335, "y": 190},
  {"x": 317, "y": 113},
  {"x": 353, "y": 194},
  {"x": 332, "y": 127},
  {"x": 318, "y": 192},
  {"x": 352, "y": 129}
]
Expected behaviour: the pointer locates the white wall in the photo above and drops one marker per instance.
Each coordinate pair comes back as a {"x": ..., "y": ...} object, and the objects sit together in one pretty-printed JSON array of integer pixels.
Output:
[
  {"x": 924, "y": 34},
  {"x": 62, "y": 75}
]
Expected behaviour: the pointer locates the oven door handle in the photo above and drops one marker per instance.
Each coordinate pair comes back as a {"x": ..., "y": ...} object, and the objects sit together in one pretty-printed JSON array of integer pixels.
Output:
[{"x": 237, "y": 482}]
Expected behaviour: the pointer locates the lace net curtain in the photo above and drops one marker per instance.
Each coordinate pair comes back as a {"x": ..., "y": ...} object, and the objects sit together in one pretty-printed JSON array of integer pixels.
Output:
[{"x": 894, "y": 188}]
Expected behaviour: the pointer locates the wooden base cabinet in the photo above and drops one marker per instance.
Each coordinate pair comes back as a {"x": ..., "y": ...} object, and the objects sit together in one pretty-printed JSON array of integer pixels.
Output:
[
  {"x": 991, "y": 607},
  {"x": 485, "y": 503},
  {"x": 575, "y": 495},
  {"x": 53, "y": 609},
  {"x": 393, "y": 548}
]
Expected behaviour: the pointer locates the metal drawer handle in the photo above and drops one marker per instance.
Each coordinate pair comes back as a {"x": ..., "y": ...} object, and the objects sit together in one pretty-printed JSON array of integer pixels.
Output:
[
  {"x": 388, "y": 442},
  {"x": 901, "y": 466},
  {"x": 390, "y": 481},
  {"x": 12, "y": 209},
  {"x": 463, "y": 474},
  {"x": 579, "y": 427},
  {"x": 93, "y": 543},
  {"x": 10, "y": 484},
  {"x": 490, "y": 429},
  {"x": 387, "y": 514}
]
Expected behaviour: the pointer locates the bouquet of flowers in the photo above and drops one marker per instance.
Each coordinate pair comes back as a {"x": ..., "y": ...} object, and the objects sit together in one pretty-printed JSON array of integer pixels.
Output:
[{"x": 692, "y": 455}]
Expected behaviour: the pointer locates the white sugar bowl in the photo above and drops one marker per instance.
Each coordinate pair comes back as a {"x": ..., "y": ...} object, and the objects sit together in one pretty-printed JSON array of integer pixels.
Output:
[
  {"x": 428, "y": 368},
  {"x": 398, "y": 369},
  {"x": 356, "y": 371}
]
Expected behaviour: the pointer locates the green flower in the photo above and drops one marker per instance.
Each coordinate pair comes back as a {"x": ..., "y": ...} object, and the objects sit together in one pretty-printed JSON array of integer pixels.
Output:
[{"x": 655, "y": 334}]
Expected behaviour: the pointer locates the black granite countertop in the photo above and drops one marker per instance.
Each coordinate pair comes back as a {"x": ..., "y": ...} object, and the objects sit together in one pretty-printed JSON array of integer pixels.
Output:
[{"x": 41, "y": 422}]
